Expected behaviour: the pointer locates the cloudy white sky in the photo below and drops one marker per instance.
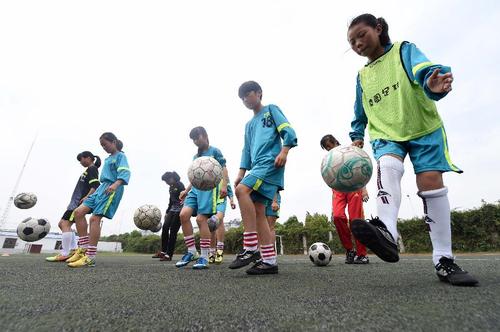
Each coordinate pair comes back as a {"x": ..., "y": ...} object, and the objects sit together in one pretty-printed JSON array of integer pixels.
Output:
[{"x": 149, "y": 71}]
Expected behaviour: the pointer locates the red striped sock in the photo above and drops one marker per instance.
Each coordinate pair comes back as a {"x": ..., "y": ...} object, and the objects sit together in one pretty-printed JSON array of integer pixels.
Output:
[
  {"x": 250, "y": 241},
  {"x": 268, "y": 253},
  {"x": 190, "y": 244},
  {"x": 91, "y": 251},
  {"x": 83, "y": 241},
  {"x": 205, "y": 247}
]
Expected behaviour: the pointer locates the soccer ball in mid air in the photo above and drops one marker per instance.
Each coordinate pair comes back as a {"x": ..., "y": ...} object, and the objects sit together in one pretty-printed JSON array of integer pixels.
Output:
[
  {"x": 147, "y": 217},
  {"x": 25, "y": 200},
  {"x": 32, "y": 229},
  {"x": 205, "y": 173},
  {"x": 346, "y": 168},
  {"x": 320, "y": 254}
]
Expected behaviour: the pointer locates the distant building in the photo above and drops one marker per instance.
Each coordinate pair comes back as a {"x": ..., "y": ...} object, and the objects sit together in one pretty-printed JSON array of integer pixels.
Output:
[{"x": 10, "y": 243}]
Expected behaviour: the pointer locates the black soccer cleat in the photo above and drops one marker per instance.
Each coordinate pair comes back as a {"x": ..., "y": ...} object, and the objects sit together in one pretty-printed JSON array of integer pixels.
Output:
[
  {"x": 261, "y": 267},
  {"x": 448, "y": 271},
  {"x": 244, "y": 258},
  {"x": 361, "y": 260},
  {"x": 349, "y": 256},
  {"x": 376, "y": 237}
]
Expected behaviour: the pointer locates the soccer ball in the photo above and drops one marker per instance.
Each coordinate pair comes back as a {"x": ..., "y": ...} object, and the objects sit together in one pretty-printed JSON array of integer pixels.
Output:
[
  {"x": 25, "y": 200},
  {"x": 346, "y": 168},
  {"x": 147, "y": 216},
  {"x": 156, "y": 228},
  {"x": 205, "y": 173},
  {"x": 320, "y": 254},
  {"x": 32, "y": 229}
]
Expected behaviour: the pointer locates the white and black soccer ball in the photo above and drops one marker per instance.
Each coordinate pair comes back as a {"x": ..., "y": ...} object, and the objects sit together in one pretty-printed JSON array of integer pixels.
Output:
[
  {"x": 205, "y": 173},
  {"x": 32, "y": 229},
  {"x": 320, "y": 254},
  {"x": 147, "y": 216},
  {"x": 25, "y": 200},
  {"x": 346, "y": 168}
]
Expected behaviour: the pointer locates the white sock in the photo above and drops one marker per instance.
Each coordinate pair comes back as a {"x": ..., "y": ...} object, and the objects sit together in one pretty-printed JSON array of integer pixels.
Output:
[
  {"x": 66, "y": 243},
  {"x": 389, "y": 173},
  {"x": 437, "y": 216},
  {"x": 74, "y": 241}
]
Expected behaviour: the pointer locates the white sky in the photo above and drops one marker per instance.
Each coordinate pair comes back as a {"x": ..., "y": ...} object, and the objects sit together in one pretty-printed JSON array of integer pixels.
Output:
[{"x": 149, "y": 71}]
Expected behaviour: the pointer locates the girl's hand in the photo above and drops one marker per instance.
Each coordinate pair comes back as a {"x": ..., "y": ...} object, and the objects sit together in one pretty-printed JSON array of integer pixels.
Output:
[
  {"x": 364, "y": 195},
  {"x": 223, "y": 192},
  {"x": 182, "y": 195},
  {"x": 81, "y": 201},
  {"x": 111, "y": 189},
  {"x": 359, "y": 143},
  {"x": 438, "y": 83},
  {"x": 275, "y": 206},
  {"x": 233, "y": 206}
]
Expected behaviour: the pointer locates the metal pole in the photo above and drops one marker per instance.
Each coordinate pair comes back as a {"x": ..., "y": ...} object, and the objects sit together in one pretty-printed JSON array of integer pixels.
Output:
[{"x": 11, "y": 197}]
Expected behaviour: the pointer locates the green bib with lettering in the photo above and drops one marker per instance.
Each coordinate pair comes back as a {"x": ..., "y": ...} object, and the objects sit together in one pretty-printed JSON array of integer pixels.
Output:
[{"x": 397, "y": 109}]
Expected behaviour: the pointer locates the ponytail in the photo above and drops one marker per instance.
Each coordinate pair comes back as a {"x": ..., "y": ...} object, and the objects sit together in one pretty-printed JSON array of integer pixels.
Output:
[
  {"x": 373, "y": 22},
  {"x": 97, "y": 161},
  {"x": 88, "y": 154}
]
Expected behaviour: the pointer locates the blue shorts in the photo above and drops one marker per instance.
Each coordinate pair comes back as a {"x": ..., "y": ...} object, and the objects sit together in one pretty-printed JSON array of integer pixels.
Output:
[
  {"x": 269, "y": 208},
  {"x": 427, "y": 153},
  {"x": 263, "y": 192},
  {"x": 204, "y": 201},
  {"x": 103, "y": 204}
]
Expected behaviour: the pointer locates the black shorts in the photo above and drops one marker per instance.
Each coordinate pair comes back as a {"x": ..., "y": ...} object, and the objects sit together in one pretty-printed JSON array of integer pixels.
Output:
[{"x": 69, "y": 216}]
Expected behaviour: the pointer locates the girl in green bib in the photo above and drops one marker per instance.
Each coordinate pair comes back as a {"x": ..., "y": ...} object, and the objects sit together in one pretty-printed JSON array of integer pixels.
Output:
[{"x": 395, "y": 98}]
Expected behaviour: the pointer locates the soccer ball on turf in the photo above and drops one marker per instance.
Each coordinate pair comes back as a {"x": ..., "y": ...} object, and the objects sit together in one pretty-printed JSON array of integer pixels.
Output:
[
  {"x": 147, "y": 217},
  {"x": 32, "y": 229},
  {"x": 346, "y": 168},
  {"x": 205, "y": 173},
  {"x": 25, "y": 200},
  {"x": 320, "y": 254}
]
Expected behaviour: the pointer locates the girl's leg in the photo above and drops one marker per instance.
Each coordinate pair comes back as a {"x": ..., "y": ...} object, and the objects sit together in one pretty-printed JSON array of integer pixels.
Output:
[
  {"x": 187, "y": 229},
  {"x": 67, "y": 235},
  {"x": 81, "y": 225},
  {"x": 204, "y": 235},
  {"x": 165, "y": 230},
  {"x": 390, "y": 171},
  {"x": 267, "y": 242},
  {"x": 175, "y": 224},
  {"x": 249, "y": 217},
  {"x": 94, "y": 235},
  {"x": 437, "y": 213}
]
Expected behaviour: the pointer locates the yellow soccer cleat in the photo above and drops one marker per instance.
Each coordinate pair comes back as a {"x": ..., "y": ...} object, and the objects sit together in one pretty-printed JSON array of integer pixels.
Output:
[
  {"x": 211, "y": 259},
  {"x": 219, "y": 257},
  {"x": 57, "y": 258},
  {"x": 83, "y": 262},
  {"x": 79, "y": 253}
]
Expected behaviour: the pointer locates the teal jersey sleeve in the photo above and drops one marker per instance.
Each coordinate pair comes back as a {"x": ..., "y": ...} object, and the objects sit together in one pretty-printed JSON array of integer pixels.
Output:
[
  {"x": 418, "y": 68},
  {"x": 219, "y": 157},
  {"x": 285, "y": 130},
  {"x": 122, "y": 168},
  {"x": 246, "y": 159},
  {"x": 358, "y": 124}
]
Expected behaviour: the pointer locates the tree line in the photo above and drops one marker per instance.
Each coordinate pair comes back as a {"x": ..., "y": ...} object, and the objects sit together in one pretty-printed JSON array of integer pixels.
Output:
[{"x": 472, "y": 231}]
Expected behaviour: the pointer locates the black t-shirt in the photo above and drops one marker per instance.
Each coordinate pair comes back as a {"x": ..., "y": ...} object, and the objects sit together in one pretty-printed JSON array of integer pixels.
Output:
[
  {"x": 89, "y": 179},
  {"x": 175, "y": 205}
]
